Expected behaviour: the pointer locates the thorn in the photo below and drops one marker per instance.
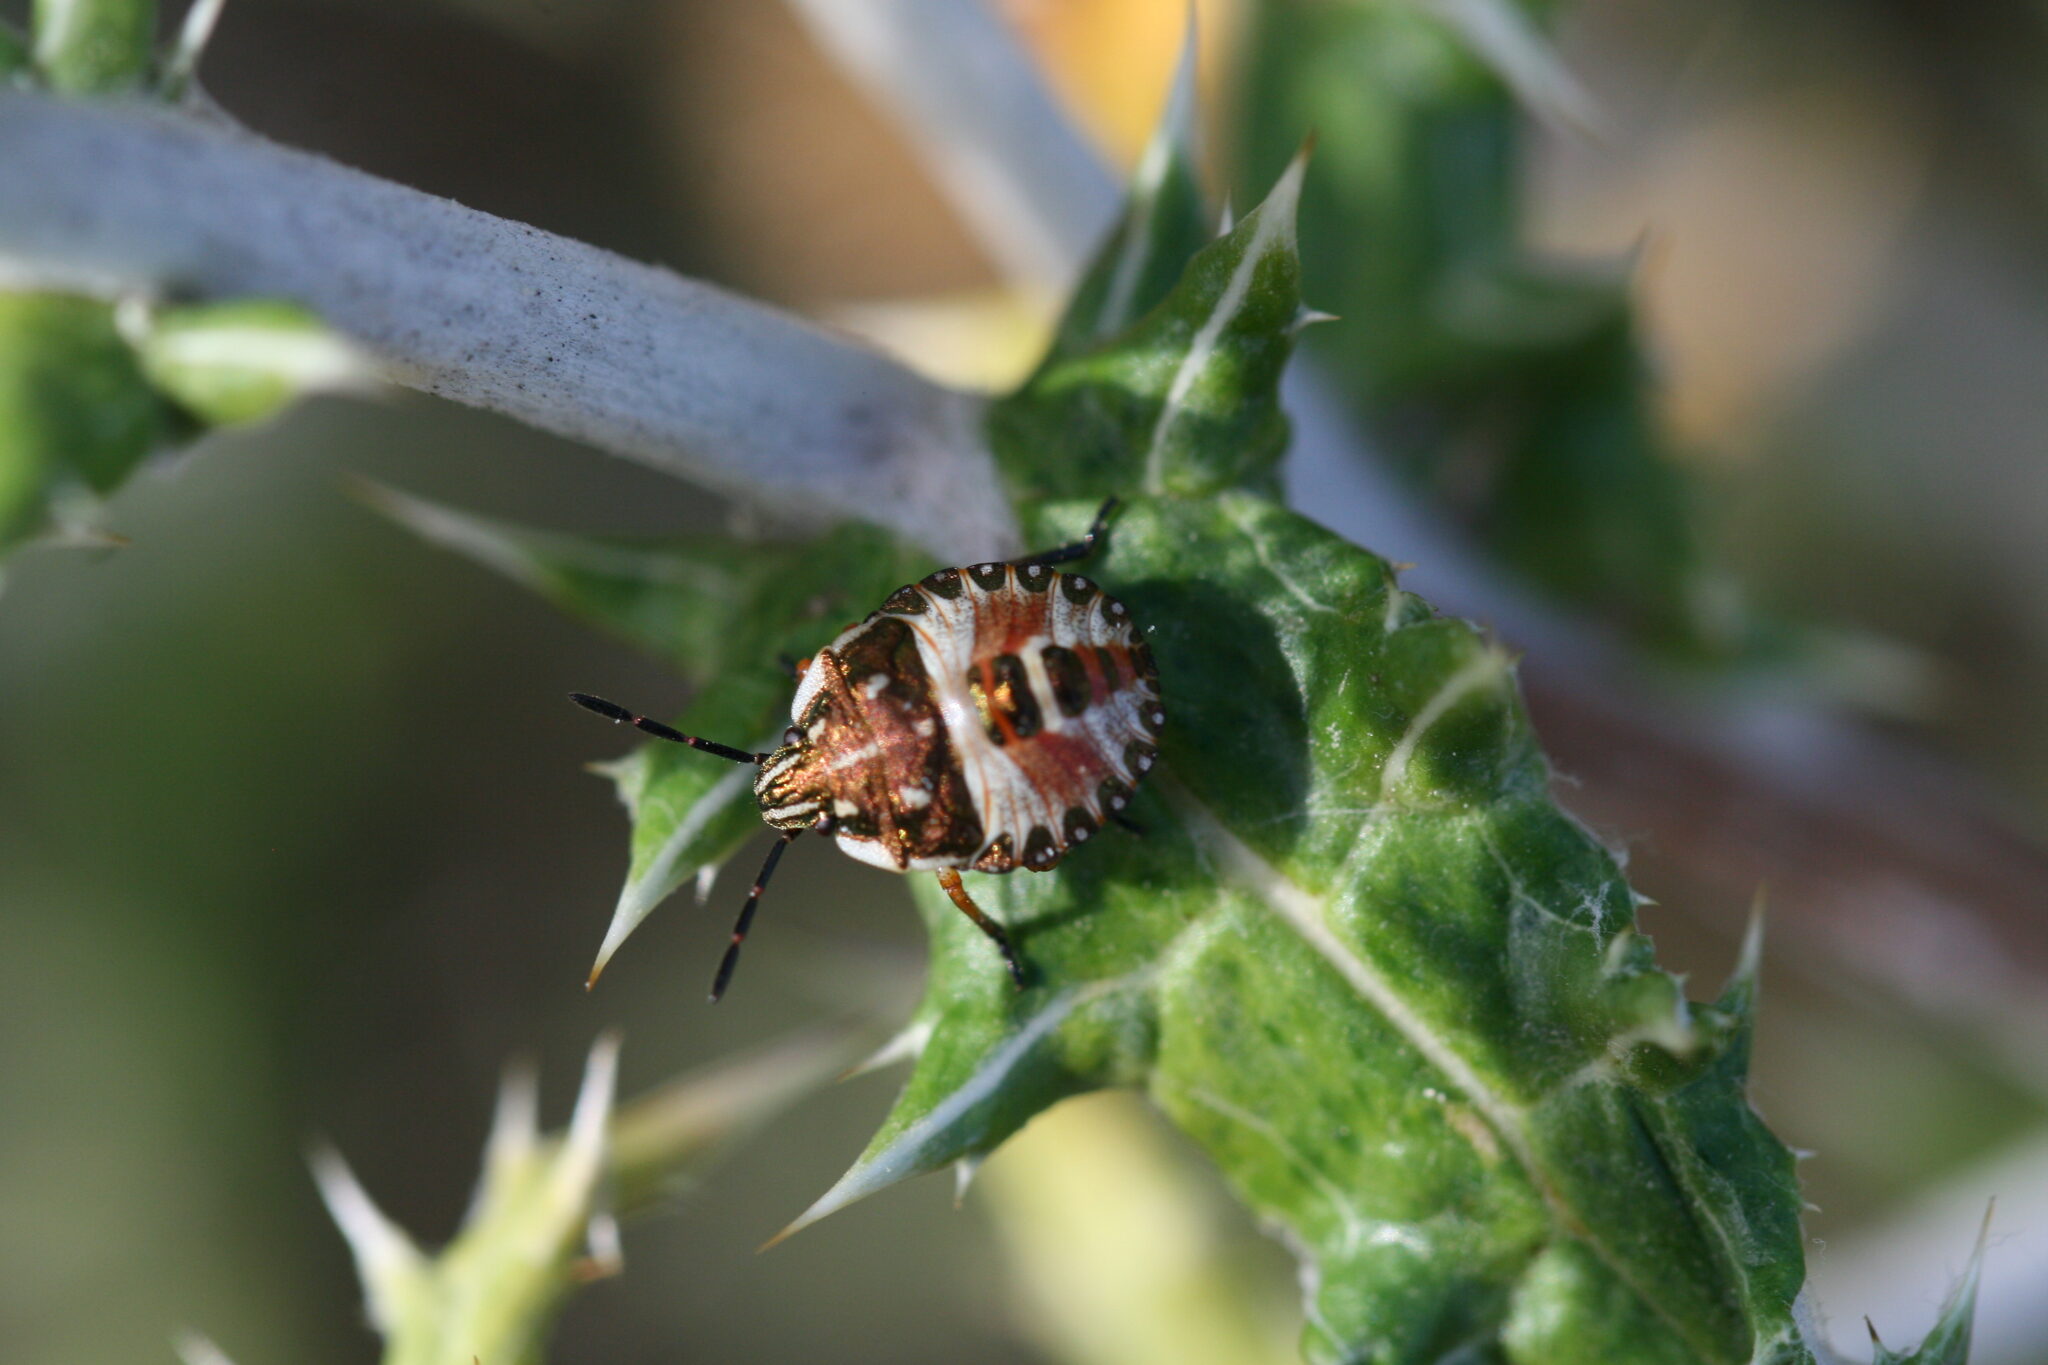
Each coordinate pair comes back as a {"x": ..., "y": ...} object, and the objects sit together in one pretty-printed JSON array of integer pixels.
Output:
[
  {"x": 196, "y": 1348},
  {"x": 607, "y": 1254},
  {"x": 1312, "y": 317},
  {"x": 908, "y": 1045},
  {"x": 790, "y": 1231},
  {"x": 383, "y": 1253},
  {"x": 583, "y": 1149},
  {"x": 182, "y": 62},
  {"x": 1750, "y": 959},
  {"x": 964, "y": 1171},
  {"x": 515, "y": 1124}
]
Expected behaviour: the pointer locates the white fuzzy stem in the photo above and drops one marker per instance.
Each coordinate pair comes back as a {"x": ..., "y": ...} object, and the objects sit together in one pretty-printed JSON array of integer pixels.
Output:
[{"x": 135, "y": 198}]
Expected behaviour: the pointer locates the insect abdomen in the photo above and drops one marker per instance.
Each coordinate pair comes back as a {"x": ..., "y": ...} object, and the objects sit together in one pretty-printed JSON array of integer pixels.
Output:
[{"x": 1060, "y": 699}]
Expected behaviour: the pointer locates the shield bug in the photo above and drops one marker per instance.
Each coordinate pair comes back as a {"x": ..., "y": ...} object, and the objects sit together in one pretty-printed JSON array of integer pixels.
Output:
[{"x": 987, "y": 718}]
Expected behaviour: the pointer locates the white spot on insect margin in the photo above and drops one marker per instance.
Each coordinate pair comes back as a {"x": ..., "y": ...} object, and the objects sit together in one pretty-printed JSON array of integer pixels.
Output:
[
  {"x": 877, "y": 684},
  {"x": 914, "y": 798}
]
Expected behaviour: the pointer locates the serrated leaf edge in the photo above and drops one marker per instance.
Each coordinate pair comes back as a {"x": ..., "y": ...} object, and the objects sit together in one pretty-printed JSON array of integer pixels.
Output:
[
  {"x": 1305, "y": 913},
  {"x": 900, "y": 1159},
  {"x": 1275, "y": 229},
  {"x": 657, "y": 881}
]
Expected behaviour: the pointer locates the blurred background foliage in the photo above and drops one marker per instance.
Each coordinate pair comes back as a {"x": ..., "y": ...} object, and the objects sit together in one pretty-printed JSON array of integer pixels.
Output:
[{"x": 293, "y": 836}]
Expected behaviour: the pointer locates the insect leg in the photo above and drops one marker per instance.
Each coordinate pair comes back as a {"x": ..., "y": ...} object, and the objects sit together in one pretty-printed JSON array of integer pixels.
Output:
[
  {"x": 612, "y": 711},
  {"x": 746, "y": 919},
  {"x": 1078, "y": 549},
  {"x": 950, "y": 879},
  {"x": 1125, "y": 822}
]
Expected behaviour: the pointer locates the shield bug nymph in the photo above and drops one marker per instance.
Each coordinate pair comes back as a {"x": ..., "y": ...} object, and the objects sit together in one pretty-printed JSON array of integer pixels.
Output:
[{"x": 988, "y": 718}]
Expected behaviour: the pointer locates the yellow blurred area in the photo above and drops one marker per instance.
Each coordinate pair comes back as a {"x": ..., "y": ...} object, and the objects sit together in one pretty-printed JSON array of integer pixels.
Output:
[
  {"x": 1111, "y": 59},
  {"x": 1123, "y": 1252}
]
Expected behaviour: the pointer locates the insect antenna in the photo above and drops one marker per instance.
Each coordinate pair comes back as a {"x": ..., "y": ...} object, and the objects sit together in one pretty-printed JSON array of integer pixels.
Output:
[
  {"x": 611, "y": 710},
  {"x": 746, "y": 919}
]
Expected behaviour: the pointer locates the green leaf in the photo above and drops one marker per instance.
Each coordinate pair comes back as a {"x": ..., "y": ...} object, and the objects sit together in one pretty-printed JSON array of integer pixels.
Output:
[
  {"x": 1512, "y": 389},
  {"x": 1360, "y": 957},
  {"x": 94, "y": 47},
  {"x": 1164, "y": 223},
  {"x": 1184, "y": 399},
  {"x": 89, "y": 390},
  {"x": 244, "y": 360},
  {"x": 76, "y": 412},
  {"x": 542, "y": 1222},
  {"x": 1948, "y": 1342},
  {"x": 725, "y": 613},
  {"x": 14, "y": 54},
  {"x": 1369, "y": 966}
]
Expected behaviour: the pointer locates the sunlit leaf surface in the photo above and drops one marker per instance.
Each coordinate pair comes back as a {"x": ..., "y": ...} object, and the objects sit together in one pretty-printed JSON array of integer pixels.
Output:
[{"x": 1360, "y": 955}]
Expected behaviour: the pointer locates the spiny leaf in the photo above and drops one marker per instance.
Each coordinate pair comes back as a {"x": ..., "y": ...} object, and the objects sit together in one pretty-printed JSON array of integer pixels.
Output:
[
  {"x": 1164, "y": 224},
  {"x": 76, "y": 412},
  {"x": 1948, "y": 1342},
  {"x": 1513, "y": 389},
  {"x": 723, "y": 612},
  {"x": 14, "y": 54},
  {"x": 1368, "y": 965},
  {"x": 542, "y": 1222},
  {"x": 94, "y": 47},
  {"x": 1360, "y": 957},
  {"x": 1185, "y": 399},
  {"x": 89, "y": 390},
  {"x": 245, "y": 359}
]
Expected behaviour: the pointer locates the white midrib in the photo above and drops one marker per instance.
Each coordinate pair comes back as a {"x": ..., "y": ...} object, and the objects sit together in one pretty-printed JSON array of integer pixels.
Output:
[
  {"x": 1304, "y": 912},
  {"x": 1272, "y": 225}
]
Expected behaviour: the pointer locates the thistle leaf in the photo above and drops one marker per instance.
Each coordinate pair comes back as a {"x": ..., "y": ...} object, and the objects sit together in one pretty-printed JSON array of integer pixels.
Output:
[
  {"x": 94, "y": 47},
  {"x": 245, "y": 359},
  {"x": 544, "y": 1200},
  {"x": 1369, "y": 966},
  {"x": 90, "y": 390},
  {"x": 1513, "y": 390},
  {"x": 723, "y": 612},
  {"x": 1948, "y": 1342},
  {"x": 1360, "y": 957},
  {"x": 1183, "y": 400},
  {"x": 76, "y": 412},
  {"x": 14, "y": 54},
  {"x": 1164, "y": 223}
]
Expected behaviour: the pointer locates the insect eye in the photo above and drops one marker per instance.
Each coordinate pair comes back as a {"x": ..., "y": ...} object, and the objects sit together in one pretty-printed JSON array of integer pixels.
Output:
[
  {"x": 791, "y": 735},
  {"x": 825, "y": 824}
]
